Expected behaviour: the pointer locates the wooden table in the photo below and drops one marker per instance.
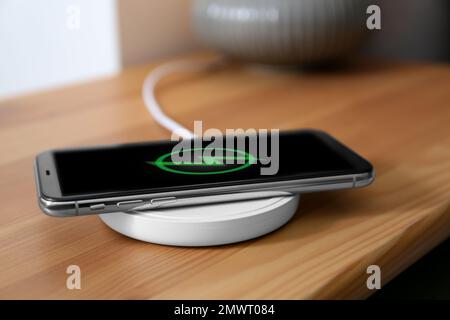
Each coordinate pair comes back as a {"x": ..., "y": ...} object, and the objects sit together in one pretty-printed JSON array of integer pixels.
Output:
[{"x": 396, "y": 115}]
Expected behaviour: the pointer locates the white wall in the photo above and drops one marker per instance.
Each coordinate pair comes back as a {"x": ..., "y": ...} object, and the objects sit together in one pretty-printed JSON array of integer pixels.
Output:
[{"x": 41, "y": 46}]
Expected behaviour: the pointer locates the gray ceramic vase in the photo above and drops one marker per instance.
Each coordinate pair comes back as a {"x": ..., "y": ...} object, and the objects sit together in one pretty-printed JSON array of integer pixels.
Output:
[{"x": 282, "y": 31}]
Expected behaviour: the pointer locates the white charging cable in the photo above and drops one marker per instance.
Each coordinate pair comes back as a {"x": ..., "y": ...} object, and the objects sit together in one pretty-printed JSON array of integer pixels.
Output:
[{"x": 149, "y": 91}]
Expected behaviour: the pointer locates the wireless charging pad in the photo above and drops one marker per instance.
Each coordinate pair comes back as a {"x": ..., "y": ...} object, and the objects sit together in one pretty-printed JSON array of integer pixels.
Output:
[{"x": 206, "y": 225}]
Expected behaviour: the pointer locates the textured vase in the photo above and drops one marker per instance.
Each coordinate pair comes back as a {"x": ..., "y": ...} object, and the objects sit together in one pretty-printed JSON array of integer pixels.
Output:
[{"x": 282, "y": 31}]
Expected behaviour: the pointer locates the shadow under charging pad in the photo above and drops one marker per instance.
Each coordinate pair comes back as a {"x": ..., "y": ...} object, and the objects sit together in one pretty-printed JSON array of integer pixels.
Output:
[{"x": 206, "y": 225}]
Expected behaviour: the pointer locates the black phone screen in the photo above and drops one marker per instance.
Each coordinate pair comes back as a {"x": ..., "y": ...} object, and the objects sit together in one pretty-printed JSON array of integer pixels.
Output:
[{"x": 165, "y": 166}]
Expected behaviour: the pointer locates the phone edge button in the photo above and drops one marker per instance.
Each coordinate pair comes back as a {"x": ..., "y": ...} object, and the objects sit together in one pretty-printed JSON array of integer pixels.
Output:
[
  {"x": 98, "y": 206},
  {"x": 122, "y": 204},
  {"x": 161, "y": 201}
]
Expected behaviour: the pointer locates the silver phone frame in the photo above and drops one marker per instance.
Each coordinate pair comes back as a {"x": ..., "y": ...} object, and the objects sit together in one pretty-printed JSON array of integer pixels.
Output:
[{"x": 200, "y": 196}]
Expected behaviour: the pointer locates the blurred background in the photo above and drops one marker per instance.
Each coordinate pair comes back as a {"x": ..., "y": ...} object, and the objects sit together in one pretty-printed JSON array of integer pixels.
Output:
[{"x": 51, "y": 43}]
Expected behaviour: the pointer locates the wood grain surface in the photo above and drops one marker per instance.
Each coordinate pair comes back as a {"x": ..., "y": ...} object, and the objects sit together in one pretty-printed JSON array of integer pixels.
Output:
[{"x": 395, "y": 114}]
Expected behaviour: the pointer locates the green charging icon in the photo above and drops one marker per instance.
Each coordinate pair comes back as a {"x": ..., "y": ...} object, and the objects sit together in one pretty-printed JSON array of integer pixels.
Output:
[{"x": 206, "y": 161}]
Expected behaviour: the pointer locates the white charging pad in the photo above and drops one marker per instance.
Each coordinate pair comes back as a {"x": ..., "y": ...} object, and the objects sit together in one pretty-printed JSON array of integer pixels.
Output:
[{"x": 206, "y": 225}]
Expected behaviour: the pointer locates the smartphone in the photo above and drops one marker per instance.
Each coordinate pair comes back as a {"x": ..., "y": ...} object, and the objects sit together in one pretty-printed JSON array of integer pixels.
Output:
[{"x": 145, "y": 176}]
